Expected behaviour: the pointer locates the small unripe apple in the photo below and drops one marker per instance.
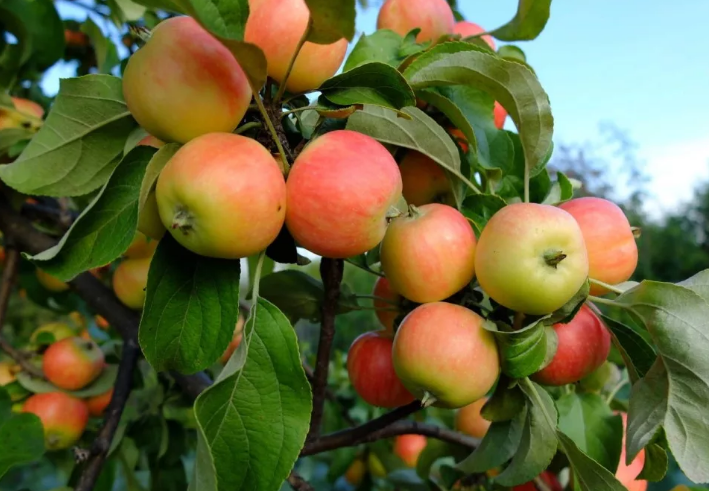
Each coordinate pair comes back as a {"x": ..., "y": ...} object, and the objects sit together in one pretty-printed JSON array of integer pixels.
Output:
[
  {"x": 185, "y": 83},
  {"x": 7, "y": 373},
  {"x": 97, "y": 405},
  {"x": 468, "y": 419},
  {"x": 583, "y": 346},
  {"x": 434, "y": 18},
  {"x": 130, "y": 281},
  {"x": 222, "y": 196},
  {"x": 63, "y": 418},
  {"x": 142, "y": 247},
  {"x": 235, "y": 341},
  {"x": 276, "y": 26},
  {"x": 371, "y": 371},
  {"x": 435, "y": 268},
  {"x": 547, "y": 478},
  {"x": 625, "y": 473},
  {"x": 466, "y": 29},
  {"x": 375, "y": 466},
  {"x": 612, "y": 251},
  {"x": 23, "y": 116},
  {"x": 59, "y": 331},
  {"x": 531, "y": 258},
  {"x": 385, "y": 309},
  {"x": 424, "y": 181},
  {"x": 409, "y": 447},
  {"x": 340, "y": 189},
  {"x": 442, "y": 351},
  {"x": 50, "y": 282},
  {"x": 73, "y": 363},
  {"x": 604, "y": 377},
  {"x": 149, "y": 222}
]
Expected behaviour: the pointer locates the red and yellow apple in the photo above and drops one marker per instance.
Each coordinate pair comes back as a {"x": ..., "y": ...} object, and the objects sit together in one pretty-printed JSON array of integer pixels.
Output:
[
  {"x": 499, "y": 115},
  {"x": 59, "y": 331},
  {"x": 371, "y": 371},
  {"x": 142, "y": 247},
  {"x": 276, "y": 26},
  {"x": 340, "y": 189},
  {"x": 434, "y": 18},
  {"x": 73, "y": 363},
  {"x": 386, "y": 309},
  {"x": 102, "y": 323},
  {"x": 356, "y": 471},
  {"x": 612, "y": 251},
  {"x": 549, "y": 479},
  {"x": 466, "y": 29},
  {"x": 7, "y": 373},
  {"x": 51, "y": 283},
  {"x": 97, "y": 405},
  {"x": 63, "y": 418},
  {"x": 429, "y": 255},
  {"x": 185, "y": 83},
  {"x": 442, "y": 352},
  {"x": 130, "y": 281},
  {"x": 424, "y": 181},
  {"x": 625, "y": 473},
  {"x": 468, "y": 419},
  {"x": 409, "y": 447},
  {"x": 26, "y": 114},
  {"x": 531, "y": 258}
]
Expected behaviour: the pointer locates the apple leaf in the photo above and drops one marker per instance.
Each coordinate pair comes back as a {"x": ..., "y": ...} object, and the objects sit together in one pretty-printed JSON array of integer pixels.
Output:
[
  {"x": 383, "y": 46},
  {"x": 256, "y": 416},
  {"x": 106, "y": 53},
  {"x": 591, "y": 475},
  {"x": 80, "y": 143},
  {"x": 454, "y": 113},
  {"x": 528, "y": 22},
  {"x": 13, "y": 136},
  {"x": 699, "y": 284},
  {"x": 331, "y": 20},
  {"x": 656, "y": 463},
  {"x": 373, "y": 83},
  {"x": 497, "y": 447},
  {"x": 22, "y": 436},
  {"x": 190, "y": 311},
  {"x": 510, "y": 83},
  {"x": 637, "y": 354},
  {"x": 505, "y": 403},
  {"x": 561, "y": 190},
  {"x": 44, "y": 28},
  {"x": 99, "y": 386},
  {"x": 105, "y": 228},
  {"x": 525, "y": 351},
  {"x": 673, "y": 393},
  {"x": 156, "y": 165},
  {"x": 479, "y": 208},
  {"x": 511, "y": 52},
  {"x": 589, "y": 422}
]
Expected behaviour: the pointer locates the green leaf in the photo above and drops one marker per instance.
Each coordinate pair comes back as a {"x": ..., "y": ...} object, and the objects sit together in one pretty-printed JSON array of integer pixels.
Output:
[
  {"x": 22, "y": 436},
  {"x": 562, "y": 190},
  {"x": 510, "y": 52},
  {"x": 12, "y": 136},
  {"x": 156, "y": 165},
  {"x": 106, "y": 53},
  {"x": 699, "y": 284},
  {"x": 538, "y": 443},
  {"x": 80, "y": 143},
  {"x": 381, "y": 46},
  {"x": 454, "y": 113},
  {"x": 331, "y": 20},
  {"x": 479, "y": 208},
  {"x": 590, "y": 475},
  {"x": 510, "y": 83},
  {"x": 525, "y": 351},
  {"x": 673, "y": 393},
  {"x": 497, "y": 447},
  {"x": 99, "y": 386},
  {"x": 255, "y": 419},
  {"x": 528, "y": 22},
  {"x": 637, "y": 354},
  {"x": 656, "y": 464},
  {"x": 373, "y": 83},
  {"x": 420, "y": 133},
  {"x": 126, "y": 11},
  {"x": 589, "y": 422},
  {"x": 191, "y": 308},
  {"x": 105, "y": 229},
  {"x": 506, "y": 402},
  {"x": 44, "y": 28}
]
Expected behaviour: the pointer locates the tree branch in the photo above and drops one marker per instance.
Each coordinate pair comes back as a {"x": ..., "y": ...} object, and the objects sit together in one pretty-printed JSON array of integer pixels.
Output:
[
  {"x": 298, "y": 483},
  {"x": 331, "y": 273},
  {"x": 331, "y": 396}
]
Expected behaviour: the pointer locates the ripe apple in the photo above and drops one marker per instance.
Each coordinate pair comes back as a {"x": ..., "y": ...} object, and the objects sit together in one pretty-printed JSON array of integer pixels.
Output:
[
  {"x": 434, "y": 18},
  {"x": 442, "y": 351},
  {"x": 385, "y": 314},
  {"x": 184, "y": 83},
  {"x": 583, "y": 346},
  {"x": 612, "y": 251},
  {"x": 97, "y": 405},
  {"x": 500, "y": 115},
  {"x": 149, "y": 222},
  {"x": 73, "y": 363},
  {"x": 235, "y": 341},
  {"x": 424, "y": 181},
  {"x": 223, "y": 196},
  {"x": 59, "y": 331},
  {"x": 531, "y": 258},
  {"x": 24, "y": 116},
  {"x": 340, "y": 189},
  {"x": 355, "y": 472},
  {"x": 102, "y": 323},
  {"x": 276, "y": 26},
  {"x": 50, "y": 282},
  {"x": 547, "y": 478},
  {"x": 130, "y": 281},
  {"x": 409, "y": 447},
  {"x": 460, "y": 138},
  {"x": 142, "y": 247},
  {"x": 63, "y": 418},
  {"x": 435, "y": 268},
  {"x": 468, "y": 419},
  {"x": 7, "y": 373},
  {"x": 626, "y": 474},
  {"x": 467, "y": 29},
  {"x": 371, "y": 371}
]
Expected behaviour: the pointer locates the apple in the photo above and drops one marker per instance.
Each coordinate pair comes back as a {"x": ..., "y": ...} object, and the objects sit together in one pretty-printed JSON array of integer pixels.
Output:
[
  {"x": 607, "y": 375},
  {"x": 547, "y": 478},
  {"x": 460, "y": 138},
  {"x": 76, "y": 39},
  {"x": 531, "y": 258},
  {"x": 442, "y": 351},
  {"x": 222, "y": 196},
  {"x": 356, "y": 471},
  {"x": 7, "y": 373},
  {"x": 276, "y": 26},
  {"x": 73, "y": 363},
  {"x": 500, "y": 115},
  {"x": 58, "y": 330},
  {"x": 235, "y": 341},
  {"x": 149, "y": 222},
  {"x": 130, "y": 281},
  {"x": 371, "y": 371},
  {"x": 468, "y": 419},
  {"x": 25, "y": 115},
  {"x": 375, "y": 466},
  {"x": 340, "y": 189},
  {"x": 97, "y": 405},
  {"x": 151, "y": 141},
  {"x": 434, "y": 18},
  {"x": 583, "y": 346},
  {"x": 142, "y": 247},
  {"x": 467, "y": 29},
  {"x": 625, "y": 473},
  {"x": 50, "y": 282},
  {"x": 185, "y": 83},
  {"x": 409, "y": 447},
  {"x": 102, "y": 323},
  {"x": 63, "y": 418},
  {"x": 435, "y": 268},
  {"x": 612, "y": 251},
  {"x": 385, "y": 314},
  {"x": 424, "y": 181}
]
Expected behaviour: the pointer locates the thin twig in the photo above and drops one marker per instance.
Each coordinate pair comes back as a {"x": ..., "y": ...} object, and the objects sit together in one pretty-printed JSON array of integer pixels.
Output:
[
  {"x": 331, "y": 274},
  {"x": 298, "y": 483},
  {"x": 331, "y": 396},
  {"x": 267, "y": 119},
  {"x": 291, "y": 64}
]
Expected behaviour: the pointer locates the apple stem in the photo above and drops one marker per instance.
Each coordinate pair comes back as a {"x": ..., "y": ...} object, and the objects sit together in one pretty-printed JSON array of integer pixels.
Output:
[
  {"x": 414, "y": 211},
  {"x": 182, "y": 220},
  {"x": 428, "y": 400},
  {"x": 554, "y": 258}
]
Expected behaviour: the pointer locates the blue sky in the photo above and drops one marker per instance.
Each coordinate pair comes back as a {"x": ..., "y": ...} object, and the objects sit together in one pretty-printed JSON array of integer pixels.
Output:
[{"x": 641, "y": 64}]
